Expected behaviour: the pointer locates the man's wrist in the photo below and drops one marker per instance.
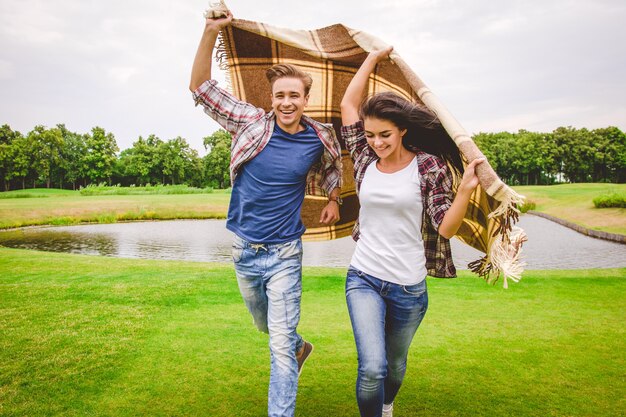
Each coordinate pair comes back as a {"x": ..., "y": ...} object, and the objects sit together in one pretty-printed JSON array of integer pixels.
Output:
[{"x": 336, "y": 199}]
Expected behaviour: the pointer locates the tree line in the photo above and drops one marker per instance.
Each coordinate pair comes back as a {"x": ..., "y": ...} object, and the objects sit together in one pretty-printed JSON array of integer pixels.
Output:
[
  {"x": 564, "y": 155},
  {"x": 56, "y": 157}
]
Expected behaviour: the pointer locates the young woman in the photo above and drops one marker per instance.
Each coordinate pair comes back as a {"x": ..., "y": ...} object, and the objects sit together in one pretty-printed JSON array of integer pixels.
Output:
[{"x": 401, "y": 155}]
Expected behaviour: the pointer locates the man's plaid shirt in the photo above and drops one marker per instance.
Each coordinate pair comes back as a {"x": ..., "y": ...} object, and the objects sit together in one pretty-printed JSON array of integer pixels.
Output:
[
  {"x": 251, "y": 129},
  {"x": 436, "y": 188}
]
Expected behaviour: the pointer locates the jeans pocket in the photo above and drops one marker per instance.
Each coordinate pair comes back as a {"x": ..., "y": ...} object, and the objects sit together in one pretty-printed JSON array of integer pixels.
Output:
[
  {"x": 290, "y": 250},
  {"x": 292, "y": 307},
  {"x": 354, "y": 279},
  {"x": 237, "y": 253},
  {"x": 417, "y": 289}
]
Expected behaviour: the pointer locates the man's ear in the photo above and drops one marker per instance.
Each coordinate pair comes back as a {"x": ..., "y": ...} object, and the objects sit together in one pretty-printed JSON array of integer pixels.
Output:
[{"x": 306, "y": 100}]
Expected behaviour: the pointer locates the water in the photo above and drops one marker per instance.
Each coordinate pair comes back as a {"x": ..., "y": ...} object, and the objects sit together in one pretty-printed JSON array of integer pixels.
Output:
[{"x": 550, "y": 245}]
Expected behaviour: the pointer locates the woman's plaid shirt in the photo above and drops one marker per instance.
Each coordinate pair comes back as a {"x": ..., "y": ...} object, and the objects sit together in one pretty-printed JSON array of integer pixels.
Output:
[
  {"x": 436, "y": 188},
  {"x": 251, "y": 129}
]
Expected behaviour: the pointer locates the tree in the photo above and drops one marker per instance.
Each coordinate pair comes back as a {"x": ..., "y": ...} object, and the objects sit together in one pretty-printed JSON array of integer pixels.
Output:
[
  {"x": 533, "y": 157},
  {"x": 550, "y": 165},
  {"x": 46, "y": 147},
  {"x": 609, "y": 162},
  {"x": 217, "y": 161},
  {"x": 8, "y": 150},
  {"x": 575, "y": 153},
  {"x": 72, "y": 167},
  {"x": 173, "y": 165},
  {"x": 142, "y": 163},
  {"x": 22, "y": 158},
  {"x": 177, "y": 159},
  {"x": 521, "y": 158},
  {"x": 501, "y": 151},
  {"x": 100, "y": 156}
]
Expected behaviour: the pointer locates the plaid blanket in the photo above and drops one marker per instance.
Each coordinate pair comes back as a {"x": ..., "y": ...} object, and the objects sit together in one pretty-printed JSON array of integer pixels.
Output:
[{"x": 332, "y": 56}]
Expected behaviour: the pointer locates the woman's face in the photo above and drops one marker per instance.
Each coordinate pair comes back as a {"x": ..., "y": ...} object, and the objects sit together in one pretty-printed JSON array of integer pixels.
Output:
[{"x": 384, "y": 137}]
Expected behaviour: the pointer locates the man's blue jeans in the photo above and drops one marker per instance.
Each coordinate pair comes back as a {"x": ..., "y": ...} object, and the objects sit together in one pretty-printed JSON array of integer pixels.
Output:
[
  {"x": 270, "y": 281},
  {"x": 385, "y": 317}
]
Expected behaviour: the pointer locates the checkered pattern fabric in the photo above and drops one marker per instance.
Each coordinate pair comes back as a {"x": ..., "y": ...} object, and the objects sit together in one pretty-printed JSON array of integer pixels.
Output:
[{"x": 332, "y": 55}]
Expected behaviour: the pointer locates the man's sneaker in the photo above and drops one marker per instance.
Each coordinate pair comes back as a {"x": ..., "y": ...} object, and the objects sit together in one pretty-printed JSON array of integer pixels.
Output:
[
  {"x": 303, "y": 354},
  {"x": 388, "y": 410}
]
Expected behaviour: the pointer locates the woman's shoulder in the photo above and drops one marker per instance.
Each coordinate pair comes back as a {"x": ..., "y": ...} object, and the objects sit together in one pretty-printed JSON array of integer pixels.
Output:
[
  {"x": 429, "y": 163},
  {"x": 353, "y": 130}
]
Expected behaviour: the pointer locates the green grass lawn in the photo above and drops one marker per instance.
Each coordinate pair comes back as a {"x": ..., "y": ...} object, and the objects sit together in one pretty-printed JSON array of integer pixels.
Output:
[
  {"x": 574, "y": 202},
  {"x": 82, "y": 335},
  {"x": 38, "y": 192},
  {"x": 63, "y": 207}
]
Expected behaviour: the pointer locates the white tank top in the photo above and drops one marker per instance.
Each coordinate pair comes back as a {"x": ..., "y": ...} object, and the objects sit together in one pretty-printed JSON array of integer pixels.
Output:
[{"x": 390, "y": 246}]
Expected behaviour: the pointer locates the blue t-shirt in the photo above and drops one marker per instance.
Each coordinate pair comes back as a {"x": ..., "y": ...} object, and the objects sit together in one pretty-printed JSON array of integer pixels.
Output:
[{"x": 269, "y": 190}]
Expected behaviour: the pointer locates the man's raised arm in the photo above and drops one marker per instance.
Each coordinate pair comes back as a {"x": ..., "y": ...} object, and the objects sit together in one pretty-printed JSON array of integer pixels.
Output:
[{"x": 201, "y": 70}]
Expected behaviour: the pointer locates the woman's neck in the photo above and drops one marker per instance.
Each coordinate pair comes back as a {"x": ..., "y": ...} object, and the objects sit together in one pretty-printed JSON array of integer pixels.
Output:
[{"x": 396, "y": 161}]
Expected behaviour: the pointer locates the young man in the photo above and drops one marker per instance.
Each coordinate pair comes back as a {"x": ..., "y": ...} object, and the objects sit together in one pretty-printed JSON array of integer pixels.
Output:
[{"x": 276, "y": 156}]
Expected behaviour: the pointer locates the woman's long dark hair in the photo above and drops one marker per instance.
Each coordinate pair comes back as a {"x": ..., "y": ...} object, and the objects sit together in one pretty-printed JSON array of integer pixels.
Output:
[{"x": 423, "y": 129}]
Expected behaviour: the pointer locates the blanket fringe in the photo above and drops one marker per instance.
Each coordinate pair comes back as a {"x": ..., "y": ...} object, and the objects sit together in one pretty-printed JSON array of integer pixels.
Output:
[
  {"x": 505, "y": 216},
  {"x": 222, "y": 57},
  {"x": 221, "y": 52},
  {"x": 217, "y": 10},
  {"x": 504, "y": 258},
  {"x": 508, "y": 210}
]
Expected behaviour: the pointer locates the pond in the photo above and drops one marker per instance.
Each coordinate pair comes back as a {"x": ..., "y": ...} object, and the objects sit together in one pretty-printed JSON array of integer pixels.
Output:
[{"x": 550, "y": 245}]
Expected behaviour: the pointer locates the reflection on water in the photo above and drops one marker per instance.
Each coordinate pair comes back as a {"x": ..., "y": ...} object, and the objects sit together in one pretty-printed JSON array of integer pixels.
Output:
[{"x": 550, "y": 245}]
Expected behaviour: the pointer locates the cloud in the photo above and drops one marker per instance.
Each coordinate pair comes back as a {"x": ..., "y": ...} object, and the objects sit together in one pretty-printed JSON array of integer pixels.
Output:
[
  {"x": 30, "y": 22},
  {"x": 7, "y": 70},
  {"x": 495, "y": 65},
  {"x": 504, "y": 24},
  {"x": 122, "y": 74},
  {"x": 544, "y": 117}
]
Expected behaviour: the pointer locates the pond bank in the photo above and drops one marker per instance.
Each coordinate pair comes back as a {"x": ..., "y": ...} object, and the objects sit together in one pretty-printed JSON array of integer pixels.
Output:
[{"x": 613, "y": 237}]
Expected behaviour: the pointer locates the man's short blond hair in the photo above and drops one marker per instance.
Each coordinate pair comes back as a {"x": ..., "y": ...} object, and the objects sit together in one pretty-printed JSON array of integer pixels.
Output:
[{"x": 289, "y": 71}]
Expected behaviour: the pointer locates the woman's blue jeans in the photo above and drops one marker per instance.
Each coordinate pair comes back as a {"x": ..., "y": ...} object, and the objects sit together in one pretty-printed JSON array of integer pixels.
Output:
[
  {"x": 385, "y": 317},
  {"x": 270, "y": 282}
]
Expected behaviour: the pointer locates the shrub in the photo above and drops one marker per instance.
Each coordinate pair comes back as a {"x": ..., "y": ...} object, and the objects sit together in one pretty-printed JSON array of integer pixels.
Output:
[
  {"x": 148, "y": 189},
  {"x": 21, "y": 195},
  {"x": 528, "y": 205},
  {"x": 610, "y": 200}
]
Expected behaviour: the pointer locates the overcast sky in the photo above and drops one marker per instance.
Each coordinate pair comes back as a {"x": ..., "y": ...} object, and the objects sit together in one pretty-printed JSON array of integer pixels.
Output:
[{"x": 496, "y": 65}]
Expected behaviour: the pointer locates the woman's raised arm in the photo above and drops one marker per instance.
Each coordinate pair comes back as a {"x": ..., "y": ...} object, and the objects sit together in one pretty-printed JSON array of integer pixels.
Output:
[{"x": 358, "y": 85}]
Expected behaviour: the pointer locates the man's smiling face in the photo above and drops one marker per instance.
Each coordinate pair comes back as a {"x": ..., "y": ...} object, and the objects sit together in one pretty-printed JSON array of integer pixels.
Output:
[{"x": 288, "y": 103}]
